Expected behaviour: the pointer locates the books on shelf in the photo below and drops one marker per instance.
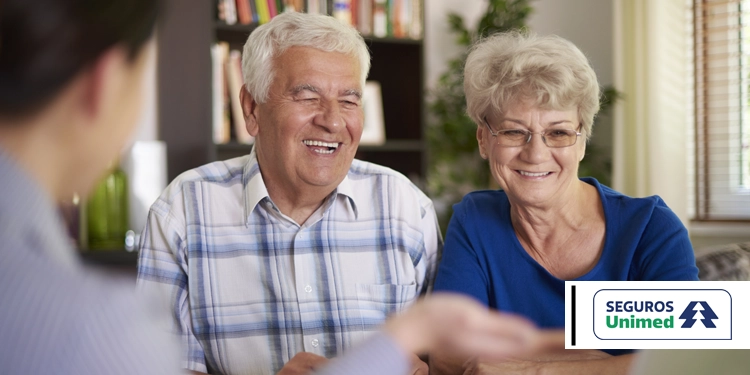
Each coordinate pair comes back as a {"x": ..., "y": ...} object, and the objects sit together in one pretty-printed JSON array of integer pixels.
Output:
[
  {"x": 226, "y": 106},
  {"x": 379, "y": 18}
]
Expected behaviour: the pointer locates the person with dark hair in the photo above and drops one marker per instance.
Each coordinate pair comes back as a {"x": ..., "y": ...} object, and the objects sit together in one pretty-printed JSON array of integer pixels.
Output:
[{"x": 70, "y": 92}]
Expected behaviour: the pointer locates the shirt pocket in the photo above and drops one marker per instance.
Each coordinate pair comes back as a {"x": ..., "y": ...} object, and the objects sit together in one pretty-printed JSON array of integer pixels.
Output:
[{"x": 379, "y": 301}]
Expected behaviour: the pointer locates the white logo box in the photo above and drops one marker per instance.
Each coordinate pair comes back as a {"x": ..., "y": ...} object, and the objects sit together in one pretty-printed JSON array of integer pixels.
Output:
[{"x": 657, "y": 315}]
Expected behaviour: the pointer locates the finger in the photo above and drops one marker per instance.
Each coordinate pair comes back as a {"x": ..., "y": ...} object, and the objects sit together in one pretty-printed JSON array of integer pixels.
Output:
[
  {"x": 314, "y": 361},
  {"x": 548, "y": 340},
  {"x": 510, "y": 328}
]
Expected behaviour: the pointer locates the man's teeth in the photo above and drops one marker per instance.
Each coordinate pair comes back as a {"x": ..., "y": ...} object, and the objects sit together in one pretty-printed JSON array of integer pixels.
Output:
[
  {"x": 333, "y": 145},
  {"x": 530, "y": 174}
]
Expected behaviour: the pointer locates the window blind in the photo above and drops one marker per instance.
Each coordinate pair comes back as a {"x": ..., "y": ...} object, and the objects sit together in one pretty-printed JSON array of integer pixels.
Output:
[{"x": 721, "y": 136}]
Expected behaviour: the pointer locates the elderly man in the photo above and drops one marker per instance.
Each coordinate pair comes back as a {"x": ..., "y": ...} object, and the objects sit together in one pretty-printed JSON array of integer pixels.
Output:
[{"x": 297, "y": 247}]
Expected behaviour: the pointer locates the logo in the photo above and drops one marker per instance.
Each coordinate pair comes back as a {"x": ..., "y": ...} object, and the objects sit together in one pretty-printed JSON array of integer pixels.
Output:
[
  {"x": 698, "y": 310},
  {"x": 662, "y": 314}
]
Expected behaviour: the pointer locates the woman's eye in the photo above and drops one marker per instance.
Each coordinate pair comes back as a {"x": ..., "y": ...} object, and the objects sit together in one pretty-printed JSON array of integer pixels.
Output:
[
  {"x": 514, "y": 133},
  {"x": 558, "y": 133}
]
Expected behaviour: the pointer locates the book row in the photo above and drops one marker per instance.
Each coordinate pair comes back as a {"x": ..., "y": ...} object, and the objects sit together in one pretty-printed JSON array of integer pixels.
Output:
[{"x": 378, "y": 18}]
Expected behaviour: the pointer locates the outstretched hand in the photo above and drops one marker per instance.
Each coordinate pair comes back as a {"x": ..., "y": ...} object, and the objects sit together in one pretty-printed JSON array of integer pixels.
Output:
[{"x": 458, "y": 324}]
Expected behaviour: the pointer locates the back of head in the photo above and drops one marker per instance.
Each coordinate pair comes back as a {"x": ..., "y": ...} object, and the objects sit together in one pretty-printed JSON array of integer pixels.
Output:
[
  {"x": 294, "y": 29},
  {"x": 46, "y": 43},
  {"x": 547, "y": 70}
]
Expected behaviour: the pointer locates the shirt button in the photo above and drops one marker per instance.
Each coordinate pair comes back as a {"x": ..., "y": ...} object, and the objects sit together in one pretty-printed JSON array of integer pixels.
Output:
[
  {"x": 315, "y": 343},
  {"x": 308, "y": 288}
]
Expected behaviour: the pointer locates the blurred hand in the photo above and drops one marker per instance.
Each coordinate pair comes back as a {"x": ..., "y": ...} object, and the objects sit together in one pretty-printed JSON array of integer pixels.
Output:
[
  {"x": 302, "y": 363},
  {"x": 508, "y": 367},
  {"x": 460, "y": 325},
  {"x": 418, "y": 366}
]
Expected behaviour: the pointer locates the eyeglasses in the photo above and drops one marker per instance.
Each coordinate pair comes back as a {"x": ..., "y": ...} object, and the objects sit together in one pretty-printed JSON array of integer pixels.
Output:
[{"x": 554, "y": 138}]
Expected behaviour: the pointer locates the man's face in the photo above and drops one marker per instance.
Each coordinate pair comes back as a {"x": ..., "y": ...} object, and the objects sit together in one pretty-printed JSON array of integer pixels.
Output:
[{"x": 309, "y": 128}]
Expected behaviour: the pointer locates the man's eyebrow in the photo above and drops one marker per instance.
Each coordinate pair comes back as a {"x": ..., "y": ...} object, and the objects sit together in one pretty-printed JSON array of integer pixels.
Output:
[
  {"x": 304, "y": 87},
  {"x": 354, "y": 92}
]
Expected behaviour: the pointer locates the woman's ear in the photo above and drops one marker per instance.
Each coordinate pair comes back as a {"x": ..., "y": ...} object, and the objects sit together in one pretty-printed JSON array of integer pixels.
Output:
[
  {"x": 250, "y": 111},
  {"x": 480, "y": 140}
]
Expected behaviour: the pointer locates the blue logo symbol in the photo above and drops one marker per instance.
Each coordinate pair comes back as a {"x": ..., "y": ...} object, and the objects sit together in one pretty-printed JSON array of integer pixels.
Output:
[{"x": 693, "y": 312}]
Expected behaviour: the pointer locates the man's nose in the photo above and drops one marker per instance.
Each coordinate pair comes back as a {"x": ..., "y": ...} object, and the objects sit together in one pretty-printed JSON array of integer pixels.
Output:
[{"x": 329, "y": 117}]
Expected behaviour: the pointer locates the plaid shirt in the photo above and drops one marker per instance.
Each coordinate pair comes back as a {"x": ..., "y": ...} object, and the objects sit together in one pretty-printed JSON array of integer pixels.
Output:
[{"x": 249, "y": 288}]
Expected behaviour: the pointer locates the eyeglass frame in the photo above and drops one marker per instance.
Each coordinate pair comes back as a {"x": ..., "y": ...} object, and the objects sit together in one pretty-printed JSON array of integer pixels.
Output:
[{"x": 495, "y": 133}]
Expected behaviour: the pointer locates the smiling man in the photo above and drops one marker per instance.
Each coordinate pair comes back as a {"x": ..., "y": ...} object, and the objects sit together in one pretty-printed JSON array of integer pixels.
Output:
[{"x": 280, "y": 259}]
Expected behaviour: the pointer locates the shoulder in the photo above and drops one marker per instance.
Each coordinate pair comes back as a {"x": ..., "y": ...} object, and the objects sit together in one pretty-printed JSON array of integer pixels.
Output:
[
  {"x": 386, "y": 180},
  {"x": 649, "y": 209},
  {"x": 218, "y": 173},
  {"x": 75, "y": 320}
]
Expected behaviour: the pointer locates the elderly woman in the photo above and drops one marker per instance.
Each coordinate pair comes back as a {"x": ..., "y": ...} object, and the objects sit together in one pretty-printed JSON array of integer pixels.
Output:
[{"x": 534, "y": 100}]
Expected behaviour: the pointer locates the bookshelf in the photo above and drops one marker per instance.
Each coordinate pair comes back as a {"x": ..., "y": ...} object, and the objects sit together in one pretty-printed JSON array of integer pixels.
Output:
[{"x": 187, "y": 32}]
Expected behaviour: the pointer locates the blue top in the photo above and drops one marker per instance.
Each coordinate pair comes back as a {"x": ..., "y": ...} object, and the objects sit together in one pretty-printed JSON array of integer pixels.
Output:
[{"x": 483, "y": 258}]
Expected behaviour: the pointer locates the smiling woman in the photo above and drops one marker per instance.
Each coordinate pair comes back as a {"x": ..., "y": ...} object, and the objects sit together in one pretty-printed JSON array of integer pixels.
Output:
[{"x": 531, "y": 99}]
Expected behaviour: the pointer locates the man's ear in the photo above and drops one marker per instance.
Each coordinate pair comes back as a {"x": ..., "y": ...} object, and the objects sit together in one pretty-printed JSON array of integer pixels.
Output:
[
  {"x": 250, "y": 111},
  {"x": 100, "y": 81}
]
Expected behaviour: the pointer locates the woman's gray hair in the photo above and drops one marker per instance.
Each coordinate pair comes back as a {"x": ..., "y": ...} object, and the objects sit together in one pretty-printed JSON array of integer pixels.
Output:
[
  {"x": 292, "y": 29},
  {"x": 548, "y": 70}
]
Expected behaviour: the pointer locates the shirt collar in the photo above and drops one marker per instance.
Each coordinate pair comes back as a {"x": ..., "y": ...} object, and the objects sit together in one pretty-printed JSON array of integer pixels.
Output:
[{"x": 255, "y": 187}]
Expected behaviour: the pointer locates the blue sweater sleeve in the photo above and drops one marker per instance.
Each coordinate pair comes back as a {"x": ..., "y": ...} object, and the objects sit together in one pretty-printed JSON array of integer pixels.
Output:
[
  {"x": 460, "y": 269},
  {"x": 666, "y": 253}
]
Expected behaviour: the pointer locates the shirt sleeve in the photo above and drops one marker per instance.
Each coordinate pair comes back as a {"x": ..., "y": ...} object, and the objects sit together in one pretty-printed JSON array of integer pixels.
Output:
[
  {"x": 376, "y": 356},
  {"x": 665, "y": 248},
  {"x": 460, "y": 270},
  {"x": 163, "y": 277}
]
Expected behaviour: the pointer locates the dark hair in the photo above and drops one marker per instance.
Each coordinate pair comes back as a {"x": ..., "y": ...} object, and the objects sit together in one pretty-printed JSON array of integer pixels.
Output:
[{"x": 45, "y": 43}]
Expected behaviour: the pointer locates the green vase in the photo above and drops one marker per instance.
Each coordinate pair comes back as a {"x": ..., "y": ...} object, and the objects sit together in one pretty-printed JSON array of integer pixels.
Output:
[{"x": 107, "y": 212}]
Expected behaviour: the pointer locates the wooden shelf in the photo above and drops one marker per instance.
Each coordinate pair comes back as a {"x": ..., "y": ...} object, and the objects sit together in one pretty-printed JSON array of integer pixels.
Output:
[{"x": 114, "y": 257}]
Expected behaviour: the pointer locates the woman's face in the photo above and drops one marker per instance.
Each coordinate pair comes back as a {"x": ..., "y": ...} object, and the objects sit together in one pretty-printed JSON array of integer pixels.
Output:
[{"x": 533, "y": 174}]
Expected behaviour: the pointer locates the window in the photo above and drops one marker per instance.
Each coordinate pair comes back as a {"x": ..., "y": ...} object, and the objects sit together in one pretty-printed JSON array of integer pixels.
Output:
[{"x": 721, "y": 136}]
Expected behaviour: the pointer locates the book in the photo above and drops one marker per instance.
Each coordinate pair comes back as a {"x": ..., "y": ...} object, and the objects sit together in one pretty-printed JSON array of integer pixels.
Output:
[
  {"x": 262, "y": 7},
  {"x": 272, "y": 9},
  {"x": 220, "y": 107},
  {"x": 230, "y": 12},
  {"x": 254, "y": 11},
  {"x": 380, "y": 18},
  {"x": 342, "y": 11},
  {"x": 364, "y": 17},
  {"x": 233, "y": 69},
  {"x": 243, "y": 12},
  {"x": 415, "y": 29},
  {"x": 313, "y": 6}
]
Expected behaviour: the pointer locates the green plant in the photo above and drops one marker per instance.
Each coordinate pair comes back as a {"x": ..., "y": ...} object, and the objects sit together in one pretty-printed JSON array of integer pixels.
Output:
[
  {"x": 456, "y": 168},
  {"x": 455, "y": 165}
]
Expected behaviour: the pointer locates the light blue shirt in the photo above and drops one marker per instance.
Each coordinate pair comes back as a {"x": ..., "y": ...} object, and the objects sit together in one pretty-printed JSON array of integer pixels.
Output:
[
  {"x": 57, "y": 317},
  {"x": 249, "y": 288}
]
